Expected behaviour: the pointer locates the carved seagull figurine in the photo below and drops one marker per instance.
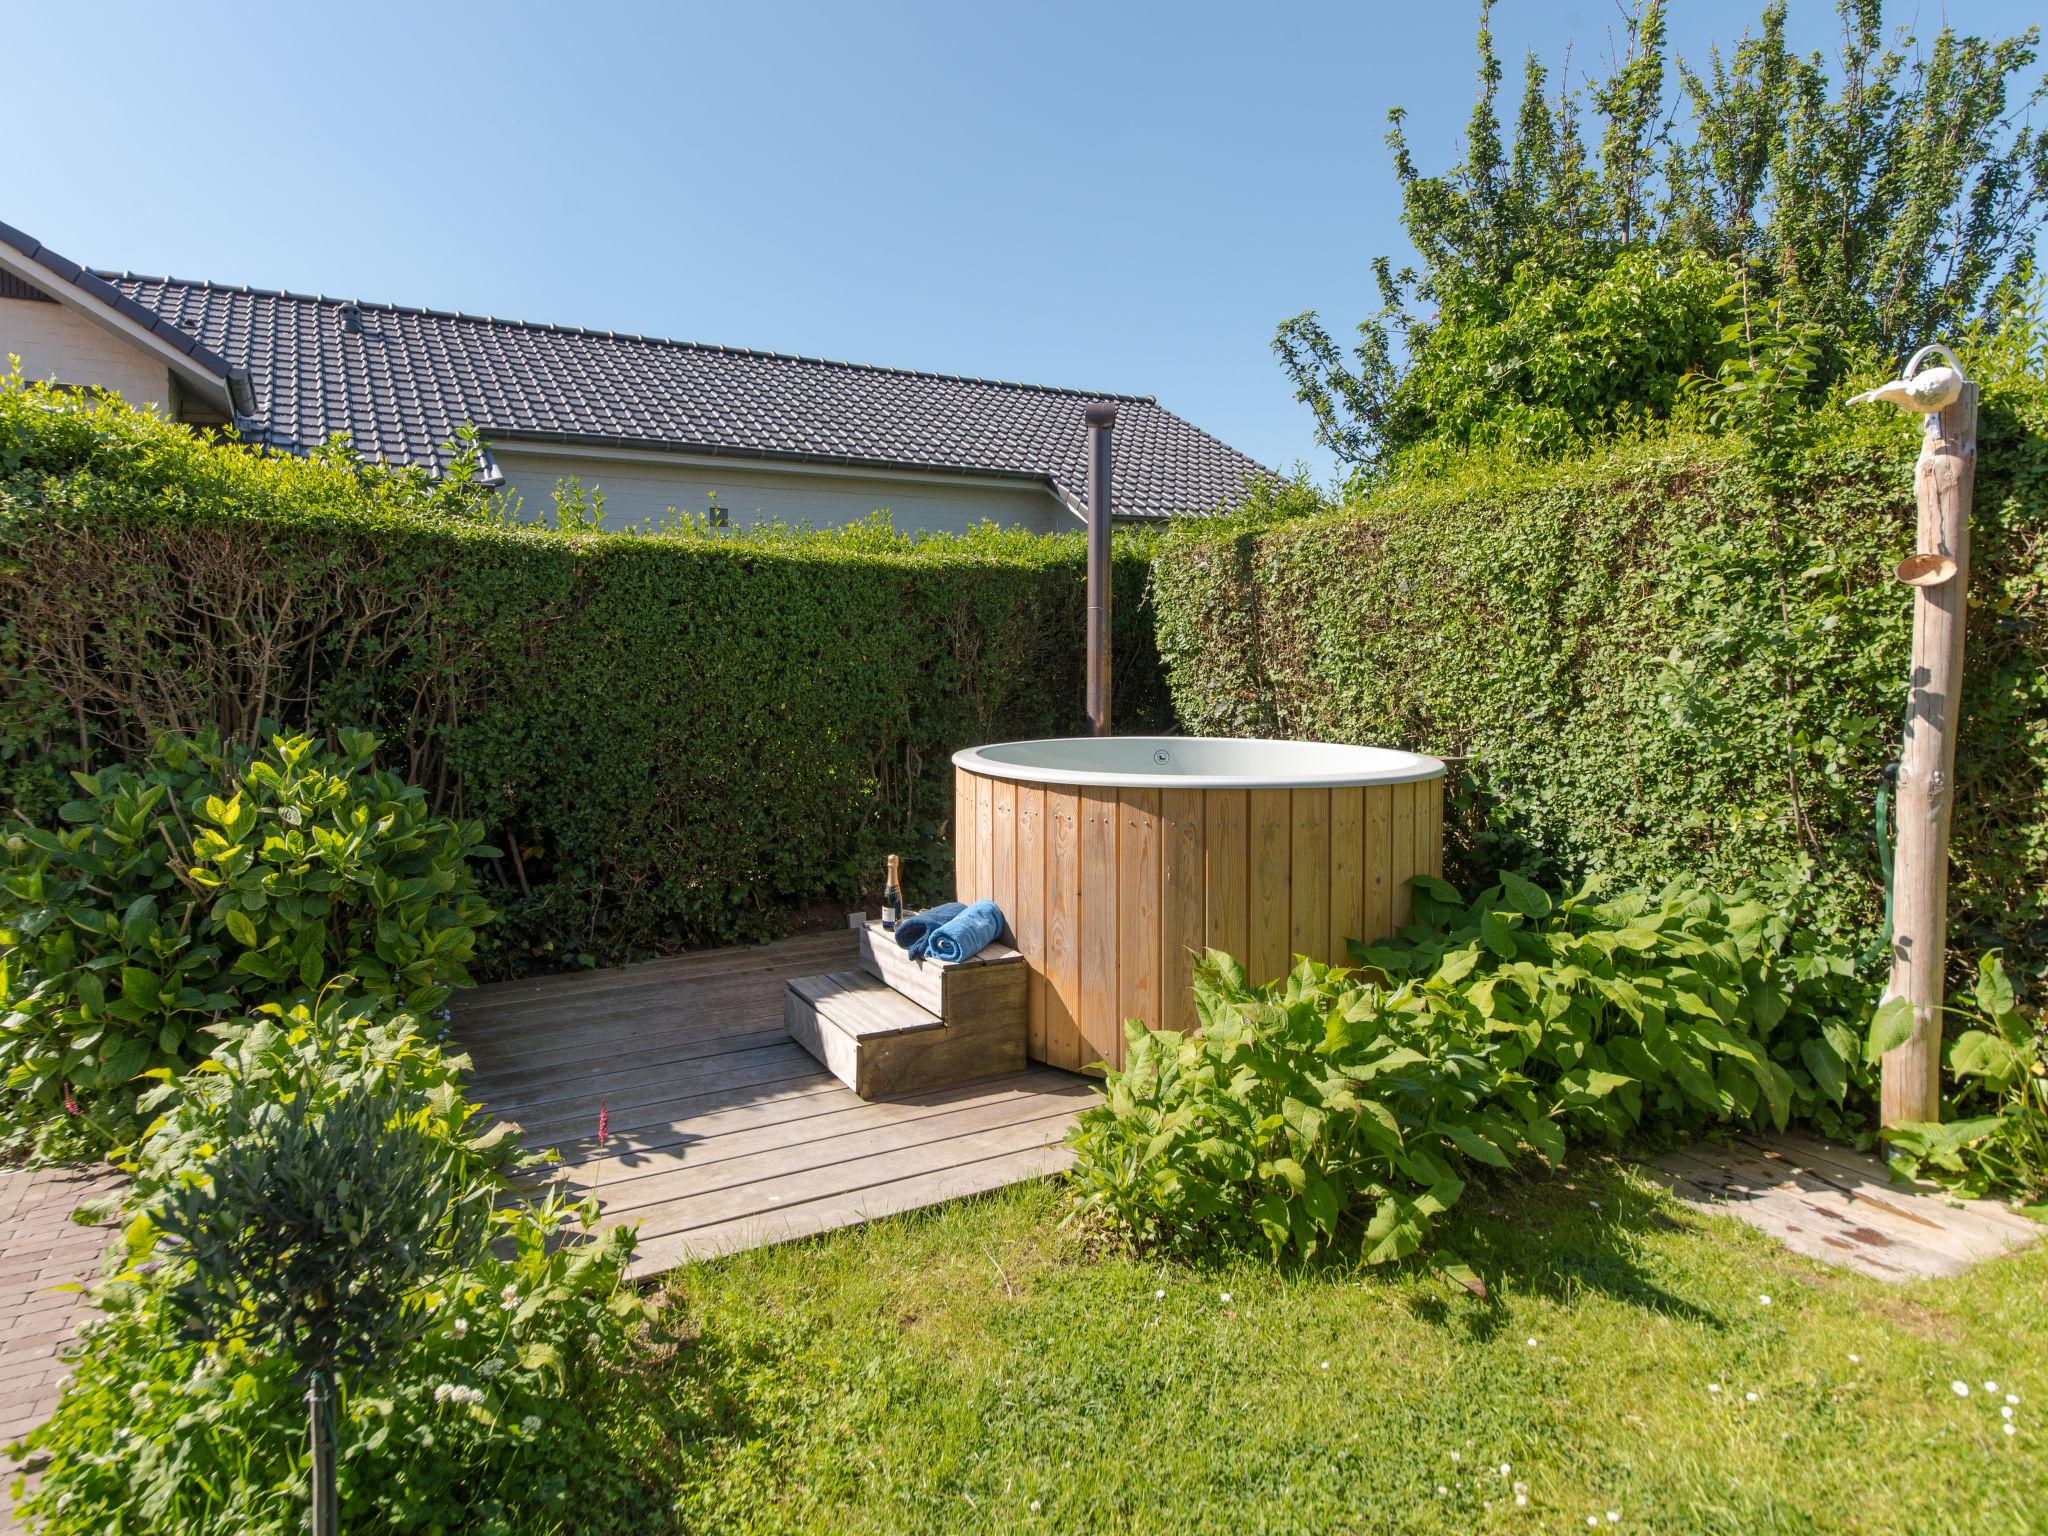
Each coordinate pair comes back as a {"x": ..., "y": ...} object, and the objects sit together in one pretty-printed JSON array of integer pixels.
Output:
[{"x": 1924, "y": 392}]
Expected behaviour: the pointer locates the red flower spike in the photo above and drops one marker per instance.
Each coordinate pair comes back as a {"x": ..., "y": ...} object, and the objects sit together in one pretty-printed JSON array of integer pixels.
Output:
[{"x": 604, "y": 1123}]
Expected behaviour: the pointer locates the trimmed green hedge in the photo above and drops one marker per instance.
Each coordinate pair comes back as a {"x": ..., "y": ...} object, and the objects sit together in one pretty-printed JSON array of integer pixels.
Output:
[
  {"x": 1652, "y": 665},
  {"x": 676, "y": 739}
]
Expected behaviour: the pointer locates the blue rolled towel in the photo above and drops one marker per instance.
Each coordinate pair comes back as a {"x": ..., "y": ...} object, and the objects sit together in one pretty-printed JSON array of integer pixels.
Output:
[
  {"x": 911, "y": 929},
  {"x": 966, "y": 935}
]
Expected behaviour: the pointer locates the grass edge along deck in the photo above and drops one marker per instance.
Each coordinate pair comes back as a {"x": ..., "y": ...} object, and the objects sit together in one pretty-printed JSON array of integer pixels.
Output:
[{"x": 724, "y": 1133}]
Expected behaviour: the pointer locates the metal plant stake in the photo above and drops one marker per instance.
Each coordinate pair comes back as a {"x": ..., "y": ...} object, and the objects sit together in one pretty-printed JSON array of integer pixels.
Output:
[{"x": 1939, "y": 572}]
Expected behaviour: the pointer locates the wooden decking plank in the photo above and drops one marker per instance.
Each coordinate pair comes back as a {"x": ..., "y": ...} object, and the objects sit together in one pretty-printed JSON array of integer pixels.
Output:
[
  {"x": 715, "y": 1137},
  {"x": 722, "y": 1070},
  {"x": 739, "y": 960},
  {"x": 758, "y": 1158},
  {"x": 722, "y": 1131},
  {"x": 809, "y": 1219},
  {"x": 593, "y": 1070},
  {"x": 732, "y": 960},
  {"x": 543, "y": 1046},
  {"x": 700, "y": 1002},
  {"x": 817, "y": 1093},
  {"x": 828, "y": 1096},
  {"x": 700, "y": 998},
  {"x": 729, "y": 1202},
  {"x": 768, "y": 1067}
]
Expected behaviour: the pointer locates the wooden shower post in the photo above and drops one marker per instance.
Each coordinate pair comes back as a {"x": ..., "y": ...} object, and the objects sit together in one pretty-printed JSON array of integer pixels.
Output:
[{"x": 1939, "y": 572}]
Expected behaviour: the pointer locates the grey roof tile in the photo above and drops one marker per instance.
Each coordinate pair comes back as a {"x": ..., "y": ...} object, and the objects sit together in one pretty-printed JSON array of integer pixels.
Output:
[{"x": 410, "y": 376}]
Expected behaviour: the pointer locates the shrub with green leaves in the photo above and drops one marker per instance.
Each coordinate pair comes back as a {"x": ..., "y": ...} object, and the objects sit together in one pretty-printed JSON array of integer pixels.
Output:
[
  {"x": 185, "y": 888},
  {"x": 1496, "y": 1029},
  {"x": 507, "y": 1360},
  {"x": 677, "y": 738},
  {"x": 1663, "y": 662},
  {"x": 1992, "y": 1138}
]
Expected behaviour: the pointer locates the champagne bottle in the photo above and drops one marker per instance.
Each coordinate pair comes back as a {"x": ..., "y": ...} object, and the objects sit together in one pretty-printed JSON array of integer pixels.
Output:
[{"x": 892, "y": 896}]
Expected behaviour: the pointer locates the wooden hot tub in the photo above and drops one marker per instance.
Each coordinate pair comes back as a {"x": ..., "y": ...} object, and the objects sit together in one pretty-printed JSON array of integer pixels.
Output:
[{"x": 1118, "y": 859}]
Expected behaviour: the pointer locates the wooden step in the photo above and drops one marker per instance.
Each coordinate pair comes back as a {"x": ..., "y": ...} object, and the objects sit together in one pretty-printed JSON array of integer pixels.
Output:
[
  {"x": 877, "y": 1041},
  {"x": 992, "y": 982}
]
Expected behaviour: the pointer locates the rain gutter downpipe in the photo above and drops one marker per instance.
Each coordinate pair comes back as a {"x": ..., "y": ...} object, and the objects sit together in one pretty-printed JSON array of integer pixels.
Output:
[{"x": 1101, "y": 417}]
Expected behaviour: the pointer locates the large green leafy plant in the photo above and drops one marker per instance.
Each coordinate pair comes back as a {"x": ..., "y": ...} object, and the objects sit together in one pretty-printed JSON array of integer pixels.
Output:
[
  {"x": 1496, "y": 1029},
  {"x": 1992, "y": 1138},
  {"x": 185, "y": 888}
]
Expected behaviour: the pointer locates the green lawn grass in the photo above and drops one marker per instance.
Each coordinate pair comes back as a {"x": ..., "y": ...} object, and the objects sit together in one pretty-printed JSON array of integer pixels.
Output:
[{"x": 978, "y": 1368}]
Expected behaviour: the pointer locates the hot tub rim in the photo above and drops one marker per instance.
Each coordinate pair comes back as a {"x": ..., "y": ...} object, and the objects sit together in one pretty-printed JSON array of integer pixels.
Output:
[{"x": 1418, "y": 768}]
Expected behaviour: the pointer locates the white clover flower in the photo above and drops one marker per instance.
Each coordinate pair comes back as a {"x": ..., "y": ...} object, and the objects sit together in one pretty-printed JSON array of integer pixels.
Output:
[
  {"x": 1594, "y": 1521},
  {"x": 1714, "y": 1387},
  {"x": 2005, "y": 1412},
  {"x": 2010, "y": 1429},
  {"x": 1532, "y": 1343},
  {"x": 1325, "y": 1365},
  {"x": 1855, "y": 1359},
  {"x": 441, "y": 1392},
  {"x": 1763, "y": 1301},
  {"x": 1990, "y": 1386},
  {"x": 1226, "y": 1298},
  {"x": 530, "y": 1424},
  {"x": 490, "y": 1368},
  {"x": 1960, "y": 1388},
  {"x": 1750, "y": 1396},
  {"x": 1521, "y": 1499},
  {"x": 2013, "y": 1398},
  {"x": 1505, "y": 1469},
  {"x": 1159, "y": 1295},
  {"x": 1457, "y": 1455},
  {"x": 1034, "y": 1506},
  {"x": 460, "y": 1327},
  {"x": 1614, "y": 1517},
  {"x": 1441, "y": 1490},
  {"x": 508, "y": 1298}
]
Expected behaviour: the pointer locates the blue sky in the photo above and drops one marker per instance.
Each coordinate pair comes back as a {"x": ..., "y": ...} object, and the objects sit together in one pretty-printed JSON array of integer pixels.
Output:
[{"x": 1109, "y": 196}]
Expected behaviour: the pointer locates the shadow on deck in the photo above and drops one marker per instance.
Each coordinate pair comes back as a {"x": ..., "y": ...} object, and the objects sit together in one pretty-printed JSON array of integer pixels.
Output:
[{"x": 723, "y": 1132}]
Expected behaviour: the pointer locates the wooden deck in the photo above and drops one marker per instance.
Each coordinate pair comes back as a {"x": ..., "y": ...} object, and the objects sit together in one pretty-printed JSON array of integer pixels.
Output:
[
  {"x": 1839, "y": 1206},
  {"x": 723, "y": 1132}
]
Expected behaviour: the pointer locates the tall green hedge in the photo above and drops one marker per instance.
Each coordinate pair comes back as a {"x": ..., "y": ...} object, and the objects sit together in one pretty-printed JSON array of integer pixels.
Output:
[
  {"x": 677, "y": 739},
  {"x": 1654, "y": 664}
]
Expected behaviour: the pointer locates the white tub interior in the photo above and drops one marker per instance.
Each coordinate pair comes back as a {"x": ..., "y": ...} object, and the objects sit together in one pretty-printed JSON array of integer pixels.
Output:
[{"x": 1196, "y": 762}]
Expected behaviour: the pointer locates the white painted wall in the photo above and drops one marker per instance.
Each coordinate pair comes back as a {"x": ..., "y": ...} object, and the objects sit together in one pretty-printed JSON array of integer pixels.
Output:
[
  {"x": 54, "y": 342},
  {"x": 646, "y": 487}
]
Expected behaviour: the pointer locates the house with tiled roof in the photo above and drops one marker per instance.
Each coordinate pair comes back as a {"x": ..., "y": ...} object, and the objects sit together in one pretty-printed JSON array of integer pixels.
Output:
[{"x": 653, "y": 425}]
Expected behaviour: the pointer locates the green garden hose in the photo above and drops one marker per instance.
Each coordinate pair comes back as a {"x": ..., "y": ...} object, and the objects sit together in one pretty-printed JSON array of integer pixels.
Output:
[{"x": 1884, "y": 846}]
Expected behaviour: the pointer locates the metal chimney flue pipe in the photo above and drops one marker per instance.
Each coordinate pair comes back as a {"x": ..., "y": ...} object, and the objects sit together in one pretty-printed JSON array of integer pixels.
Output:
[{"x": 1101, "y": 417}]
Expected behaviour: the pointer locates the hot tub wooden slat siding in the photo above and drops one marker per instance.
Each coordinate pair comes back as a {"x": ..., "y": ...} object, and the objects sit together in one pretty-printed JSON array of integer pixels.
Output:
[{"x": 1110, "y": 893}]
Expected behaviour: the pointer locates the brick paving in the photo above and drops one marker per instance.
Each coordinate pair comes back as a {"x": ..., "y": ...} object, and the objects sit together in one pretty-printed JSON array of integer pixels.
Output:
[{"x": 41, "y": 1248}]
